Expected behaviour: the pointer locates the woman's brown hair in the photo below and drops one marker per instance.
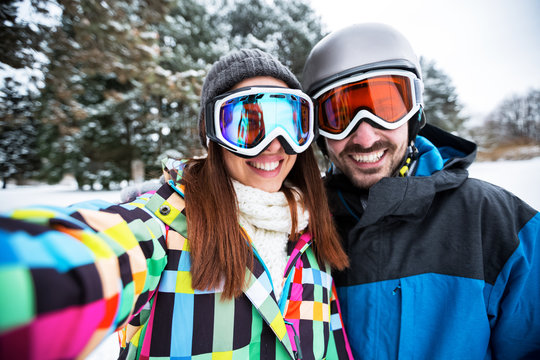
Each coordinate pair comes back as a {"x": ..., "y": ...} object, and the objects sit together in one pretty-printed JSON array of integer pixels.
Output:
[{"x": 219, "y": 250}]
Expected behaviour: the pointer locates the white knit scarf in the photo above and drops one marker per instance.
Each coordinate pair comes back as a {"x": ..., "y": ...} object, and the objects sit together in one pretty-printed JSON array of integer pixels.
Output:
[{"x": 267, "y": 220}]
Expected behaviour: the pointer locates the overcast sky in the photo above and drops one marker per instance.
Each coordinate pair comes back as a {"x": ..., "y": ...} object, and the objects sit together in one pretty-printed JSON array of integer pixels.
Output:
[{"x": 489, "y": 48}]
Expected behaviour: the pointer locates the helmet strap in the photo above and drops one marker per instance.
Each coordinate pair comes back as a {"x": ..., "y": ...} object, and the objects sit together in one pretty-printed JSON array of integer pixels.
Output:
[
  {"x": 415, "y": 124},
  {"x": 409, "y": 162}
]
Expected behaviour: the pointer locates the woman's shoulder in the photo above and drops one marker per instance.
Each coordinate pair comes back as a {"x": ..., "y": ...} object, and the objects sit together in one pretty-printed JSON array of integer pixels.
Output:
[{"x": 130, "y": 193}]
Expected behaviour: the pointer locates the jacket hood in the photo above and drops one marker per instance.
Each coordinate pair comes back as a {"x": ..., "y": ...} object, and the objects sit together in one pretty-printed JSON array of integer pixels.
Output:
[
  {"x": 442, "y": 165},
  {"x": 439, "y": 149}
]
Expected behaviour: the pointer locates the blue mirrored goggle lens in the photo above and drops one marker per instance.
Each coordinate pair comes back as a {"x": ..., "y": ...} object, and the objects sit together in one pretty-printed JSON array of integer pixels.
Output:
[{"x": 246, "y": 121}]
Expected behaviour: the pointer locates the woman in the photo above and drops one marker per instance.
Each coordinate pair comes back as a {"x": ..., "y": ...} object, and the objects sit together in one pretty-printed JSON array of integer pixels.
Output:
[{"x": 252, "y": 281}]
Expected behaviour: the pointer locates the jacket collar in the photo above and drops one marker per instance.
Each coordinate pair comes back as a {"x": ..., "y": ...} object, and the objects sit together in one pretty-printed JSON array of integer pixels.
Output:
[
  {"x": 442, "y": 165},
  {"x": 439, "y": 149}
]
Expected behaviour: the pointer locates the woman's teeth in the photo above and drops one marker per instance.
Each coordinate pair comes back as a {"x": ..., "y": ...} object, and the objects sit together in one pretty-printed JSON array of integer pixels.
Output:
[
  {"x": 266, "y": 166},
  {"x": 368, "y": 158}
]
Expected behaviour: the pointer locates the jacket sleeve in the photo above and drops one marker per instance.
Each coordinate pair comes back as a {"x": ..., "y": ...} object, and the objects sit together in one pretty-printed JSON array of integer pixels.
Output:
[
  {"x": 71, "y": 276},
  {"x": 514, "y": 301},
  {"x": 338, "y": 345}
]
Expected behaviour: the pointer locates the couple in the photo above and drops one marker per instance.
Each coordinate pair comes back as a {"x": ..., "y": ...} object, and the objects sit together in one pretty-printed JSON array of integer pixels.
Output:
[{"x": 237, "y": 256}]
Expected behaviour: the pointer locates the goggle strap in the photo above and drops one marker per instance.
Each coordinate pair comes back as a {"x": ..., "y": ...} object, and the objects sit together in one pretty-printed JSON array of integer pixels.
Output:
[
  {"x": 408, "y": 164},
  {"x": 418, "y": 90}
]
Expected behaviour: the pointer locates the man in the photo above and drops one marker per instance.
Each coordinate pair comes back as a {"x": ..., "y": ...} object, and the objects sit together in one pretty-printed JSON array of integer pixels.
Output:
[{"x": 442, "y": 266}]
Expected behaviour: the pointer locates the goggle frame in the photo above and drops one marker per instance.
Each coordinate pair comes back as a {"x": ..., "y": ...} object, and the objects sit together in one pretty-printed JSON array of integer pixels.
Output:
[
  {"x": 213, "y": 128},
  {"x": 416, "y": 93}
]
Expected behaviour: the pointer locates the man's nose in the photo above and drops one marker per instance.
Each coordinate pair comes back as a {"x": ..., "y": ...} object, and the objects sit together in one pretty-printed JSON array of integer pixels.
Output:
[{"x": 365, "y": 135}]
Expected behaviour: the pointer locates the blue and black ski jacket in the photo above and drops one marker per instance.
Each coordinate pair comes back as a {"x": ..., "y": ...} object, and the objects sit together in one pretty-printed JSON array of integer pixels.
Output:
[{"x": 443, "y": 266}]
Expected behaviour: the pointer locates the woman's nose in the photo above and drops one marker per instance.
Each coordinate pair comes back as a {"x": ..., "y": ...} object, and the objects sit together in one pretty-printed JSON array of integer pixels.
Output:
[{"x": 274, "y": 147}]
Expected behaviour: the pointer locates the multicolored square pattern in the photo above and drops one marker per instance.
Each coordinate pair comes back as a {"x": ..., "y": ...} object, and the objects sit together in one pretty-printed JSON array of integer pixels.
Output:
[{"x": 71, "y": 276}]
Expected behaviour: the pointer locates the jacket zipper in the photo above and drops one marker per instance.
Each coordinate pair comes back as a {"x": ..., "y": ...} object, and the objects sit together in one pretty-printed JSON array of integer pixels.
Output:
[{"x": 298, "y": 352}]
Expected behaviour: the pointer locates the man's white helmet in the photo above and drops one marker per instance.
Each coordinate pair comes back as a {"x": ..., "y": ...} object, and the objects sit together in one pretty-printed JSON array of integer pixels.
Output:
[{"x": 357, "y": 49}]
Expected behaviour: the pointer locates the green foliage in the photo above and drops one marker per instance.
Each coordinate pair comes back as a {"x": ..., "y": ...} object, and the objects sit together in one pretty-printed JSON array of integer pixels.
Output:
[
  {"x": 21, "y": 39},
  {"x": 440, "y": 99},
  {"x": 286, "y": 29},
  {"x": 123, "y": 78},
  {"x": 102, "y": 86},
  {"x": 18, "y": 132}
]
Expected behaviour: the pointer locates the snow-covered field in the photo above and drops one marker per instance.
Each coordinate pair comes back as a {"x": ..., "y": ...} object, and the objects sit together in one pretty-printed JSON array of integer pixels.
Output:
[
  {"x": 58, "y": 195},
  {"x": 520, "y": 177}
]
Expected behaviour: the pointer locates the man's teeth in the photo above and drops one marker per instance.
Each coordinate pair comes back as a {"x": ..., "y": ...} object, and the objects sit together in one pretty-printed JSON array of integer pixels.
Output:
[
  {"x": 368, "y": 158},
  {"x": 266, "y": 166}
]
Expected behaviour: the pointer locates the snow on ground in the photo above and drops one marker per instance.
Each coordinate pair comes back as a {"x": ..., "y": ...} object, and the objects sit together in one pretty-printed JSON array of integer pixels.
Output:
[
  {"x": 58, "y": 195},
  {"x": 519, "y": 177}
]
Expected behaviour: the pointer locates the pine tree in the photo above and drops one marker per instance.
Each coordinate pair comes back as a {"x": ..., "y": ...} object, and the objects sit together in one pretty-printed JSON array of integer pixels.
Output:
[
  {"x": 21, "y": 39},
  {"x": 190, "y": 39},
  {"x": 123, "y": 79},
  {"x": 441, "y": 102},
  {"x": 20, "y": 46},
  {"x": 19, "y": 158},
  {"x": 286, "y": 29},
  {"x": 100, "y": 85}
]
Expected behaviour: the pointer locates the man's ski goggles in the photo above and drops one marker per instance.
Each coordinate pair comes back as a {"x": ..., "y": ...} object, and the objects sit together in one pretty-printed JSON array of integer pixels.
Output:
[
  {"x": 389, "y": 98},
  {"x": 245, "y": 121}
]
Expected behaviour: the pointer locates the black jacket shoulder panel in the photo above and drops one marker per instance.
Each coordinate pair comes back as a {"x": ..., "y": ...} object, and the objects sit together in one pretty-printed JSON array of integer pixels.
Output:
[{"x": 444, "y": 223}]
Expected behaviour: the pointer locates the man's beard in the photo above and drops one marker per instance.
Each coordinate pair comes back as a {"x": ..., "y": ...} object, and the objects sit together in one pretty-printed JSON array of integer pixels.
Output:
[{"x": 390, "y": 149}]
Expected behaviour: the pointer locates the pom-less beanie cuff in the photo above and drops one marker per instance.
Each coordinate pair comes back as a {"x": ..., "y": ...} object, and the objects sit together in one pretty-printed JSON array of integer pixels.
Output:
[{"x": 239, "y": 65}]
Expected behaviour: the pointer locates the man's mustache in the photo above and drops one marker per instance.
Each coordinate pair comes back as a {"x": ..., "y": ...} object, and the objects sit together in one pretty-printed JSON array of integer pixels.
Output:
[{"x": 379, "y": 145}]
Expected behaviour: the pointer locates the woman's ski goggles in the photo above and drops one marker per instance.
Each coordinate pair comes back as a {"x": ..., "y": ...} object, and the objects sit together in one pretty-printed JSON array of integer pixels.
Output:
[
  {"x": 245, "y": 121},
  {"x": 389, "y": 98}
]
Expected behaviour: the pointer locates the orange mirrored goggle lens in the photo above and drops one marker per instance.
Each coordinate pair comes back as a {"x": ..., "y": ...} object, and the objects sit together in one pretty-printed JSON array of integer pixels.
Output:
[{"x": 388, "y": 97}]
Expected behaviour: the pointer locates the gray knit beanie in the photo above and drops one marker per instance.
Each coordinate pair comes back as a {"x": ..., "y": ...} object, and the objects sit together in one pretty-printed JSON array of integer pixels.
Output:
[{"x": 239, "y": 65}]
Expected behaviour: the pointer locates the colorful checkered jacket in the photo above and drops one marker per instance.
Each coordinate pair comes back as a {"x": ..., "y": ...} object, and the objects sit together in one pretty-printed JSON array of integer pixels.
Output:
[{"x": 69, "y": 277}]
